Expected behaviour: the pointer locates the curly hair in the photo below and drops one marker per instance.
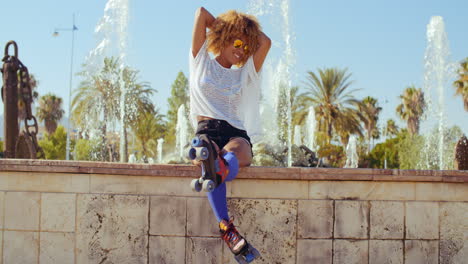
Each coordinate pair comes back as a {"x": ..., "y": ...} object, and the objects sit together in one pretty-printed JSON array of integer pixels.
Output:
[{"x": 230, "y": 25}]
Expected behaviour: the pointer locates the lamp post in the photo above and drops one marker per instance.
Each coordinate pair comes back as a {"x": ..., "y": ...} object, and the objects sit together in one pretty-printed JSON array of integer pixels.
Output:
[{"x": 55, "y": 34}]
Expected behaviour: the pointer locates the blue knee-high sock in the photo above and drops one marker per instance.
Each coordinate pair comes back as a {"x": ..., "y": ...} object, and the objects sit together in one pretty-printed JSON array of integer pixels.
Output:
[
  {"x": 218, "y": 202},
  {"x": 217, "y": 197},
  {"x": 233, "y": 165}
]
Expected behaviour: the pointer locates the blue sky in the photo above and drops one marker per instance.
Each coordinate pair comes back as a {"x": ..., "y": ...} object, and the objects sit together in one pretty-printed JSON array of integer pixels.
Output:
[{"x": 382, "y": 43}]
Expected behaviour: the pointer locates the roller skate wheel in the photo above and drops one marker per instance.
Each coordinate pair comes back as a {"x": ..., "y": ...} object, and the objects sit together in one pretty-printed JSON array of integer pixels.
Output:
[
  {"x": 254, "y": 252},
  {"x": 249, "y": 257},
  {"x": 196, "y": 185},
  {"x": 240, "y": 259},
  {"x": 192, "y": 154},
  {"x": 197, "y": 142},
  {"x": 208, "y": 185},
  {"x": 202, "y": 153}
]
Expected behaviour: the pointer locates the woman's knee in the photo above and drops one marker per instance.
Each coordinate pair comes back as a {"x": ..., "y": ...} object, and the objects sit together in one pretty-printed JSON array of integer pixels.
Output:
[{"x": 242, "y": 149}]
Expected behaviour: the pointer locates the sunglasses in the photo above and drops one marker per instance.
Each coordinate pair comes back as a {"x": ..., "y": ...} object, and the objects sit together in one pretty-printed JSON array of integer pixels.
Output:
[{"x": 239, "y": 44}]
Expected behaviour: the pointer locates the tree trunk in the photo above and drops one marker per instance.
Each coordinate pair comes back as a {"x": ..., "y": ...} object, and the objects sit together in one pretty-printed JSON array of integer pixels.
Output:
[
  {"x": 50, "y": 126},
  {"x": 329, "y": 131},
  {"x": 104, "y": 137}
]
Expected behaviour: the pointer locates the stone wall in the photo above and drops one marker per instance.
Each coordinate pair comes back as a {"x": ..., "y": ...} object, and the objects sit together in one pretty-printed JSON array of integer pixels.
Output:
[{"x": 84, "y": 212}]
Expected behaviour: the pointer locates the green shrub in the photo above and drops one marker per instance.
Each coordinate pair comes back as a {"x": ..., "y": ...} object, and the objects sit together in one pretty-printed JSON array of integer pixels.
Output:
[{"x": 54, "y": 145}]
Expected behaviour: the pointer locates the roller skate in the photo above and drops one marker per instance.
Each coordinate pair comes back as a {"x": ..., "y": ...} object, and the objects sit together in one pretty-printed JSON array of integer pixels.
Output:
[
  {"x": 214, "y": 168},
  {"x": 243, "y": 252}
]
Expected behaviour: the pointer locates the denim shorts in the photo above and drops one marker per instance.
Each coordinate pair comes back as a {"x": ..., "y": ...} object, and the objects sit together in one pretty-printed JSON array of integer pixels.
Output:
[{"x": 221, "y": 132}]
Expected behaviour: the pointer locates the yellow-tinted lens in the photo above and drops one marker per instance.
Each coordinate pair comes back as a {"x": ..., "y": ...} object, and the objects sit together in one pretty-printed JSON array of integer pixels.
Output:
[{"x": 238, "y": 43}]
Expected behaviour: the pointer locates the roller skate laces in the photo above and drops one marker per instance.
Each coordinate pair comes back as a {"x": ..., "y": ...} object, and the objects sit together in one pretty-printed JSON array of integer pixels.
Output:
[
  {"x": 231, "y": 236},
  {"x": 222, "y": 168}
]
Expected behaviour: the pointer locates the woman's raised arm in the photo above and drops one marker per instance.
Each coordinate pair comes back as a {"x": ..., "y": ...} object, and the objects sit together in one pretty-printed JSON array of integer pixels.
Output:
[
  {"x": 260, "y": 55},
  {"x": 203, "y": 20}
]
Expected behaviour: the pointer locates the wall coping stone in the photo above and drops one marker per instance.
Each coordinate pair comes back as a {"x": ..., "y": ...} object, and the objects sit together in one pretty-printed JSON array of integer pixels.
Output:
[{"x": 262, "y": 173}]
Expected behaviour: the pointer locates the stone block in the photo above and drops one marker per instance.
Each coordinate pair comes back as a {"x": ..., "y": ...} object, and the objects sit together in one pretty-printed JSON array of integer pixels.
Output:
[
  {"x": 112, "y": 228},
  {"x": 142, "y": 185},
  {"x": 314, "y": 251},
  {"x": 315, "y": 219},
  {"x": 282, "y": 189},
  {"x": 44, "y": 182},
  {"x": 22, "y": 211},
  {"x": 453, "y": 233},
  {"x": 386, "y": 252},
  {"x": 2, "y": 202},
  {"x": 20, "y": 247},
  {"x": 351, "y": 219},
  {"x": 361, "y": 190},
  {"x": 57, "y": 248},
  {"x": 58, "y": 212},
  {"x": 168, "y": 250},
  {"x": 350, "y": 251},
  {"x": 422, "y": 220},
  {"x": 422, "y": 251},
  {"x": 204, "y": 250},
  {"x": 1, "y": 246},
  {"x": 200, "y": 218},
  {"x": 387, "y": 220},
  {"x": 338, "y": 190},
  {"x": 168, "y": 216},
  {"x": 427, "y": 191},
  {"x": 269, "y": 225}
]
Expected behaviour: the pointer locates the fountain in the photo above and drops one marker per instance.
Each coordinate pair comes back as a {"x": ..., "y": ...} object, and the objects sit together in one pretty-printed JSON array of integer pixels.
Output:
[
  {"x": 276, "y": 86},
  {"x": 352, "y": 158},
  {"x": 310, "y": 126},
  {"x": 438, "y": 73},
  {"x": 159, "y": 148},
  {"x": 111, "y": 32},
  {"x": 182, "y": 132},
  {"x": 132, "y": 158},
  {"x": 297, "y": 135}
]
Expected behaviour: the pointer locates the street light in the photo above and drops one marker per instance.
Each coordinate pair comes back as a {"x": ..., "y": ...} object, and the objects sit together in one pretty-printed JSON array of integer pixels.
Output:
[{"x": 56, "y": 34}]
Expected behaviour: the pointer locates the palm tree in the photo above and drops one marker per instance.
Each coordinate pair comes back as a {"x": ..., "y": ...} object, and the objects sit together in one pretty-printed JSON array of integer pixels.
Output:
[
  {"x": 50, "y": 111},
  {"x": 347, "y": 125},
  {"x": 329, "y": 93},
  {"x": 412, "y": 108},
  {"x": 462, "y": 83},
  {"x": 147, "y": 131},
  {"x": 98, "y": 101},
  {"x": 391, "y": 128},
  {"x": 137, "y": 100},
  {"x": 369, "y": 115}
]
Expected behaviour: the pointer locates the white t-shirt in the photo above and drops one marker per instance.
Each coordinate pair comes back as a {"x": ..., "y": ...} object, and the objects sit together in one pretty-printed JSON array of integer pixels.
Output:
[{"x": 230, "y": 94}]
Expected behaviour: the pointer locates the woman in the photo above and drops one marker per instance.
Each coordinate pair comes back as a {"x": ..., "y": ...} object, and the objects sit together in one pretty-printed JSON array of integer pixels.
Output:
[{"x": 224, "y": 98}]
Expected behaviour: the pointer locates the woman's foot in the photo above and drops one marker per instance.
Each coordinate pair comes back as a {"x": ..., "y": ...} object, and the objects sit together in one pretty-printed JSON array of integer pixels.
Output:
[{"x": 231, "y": 236}]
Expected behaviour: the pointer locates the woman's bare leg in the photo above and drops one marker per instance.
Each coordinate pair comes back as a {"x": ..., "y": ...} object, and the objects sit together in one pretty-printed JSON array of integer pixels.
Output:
[{"x": 241, "y": 148}]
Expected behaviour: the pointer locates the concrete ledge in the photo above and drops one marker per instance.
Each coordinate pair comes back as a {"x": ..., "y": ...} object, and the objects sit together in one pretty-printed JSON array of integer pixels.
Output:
[
  {"x": 264, "y": 173},
  {"x": 92, "y": 212}
]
